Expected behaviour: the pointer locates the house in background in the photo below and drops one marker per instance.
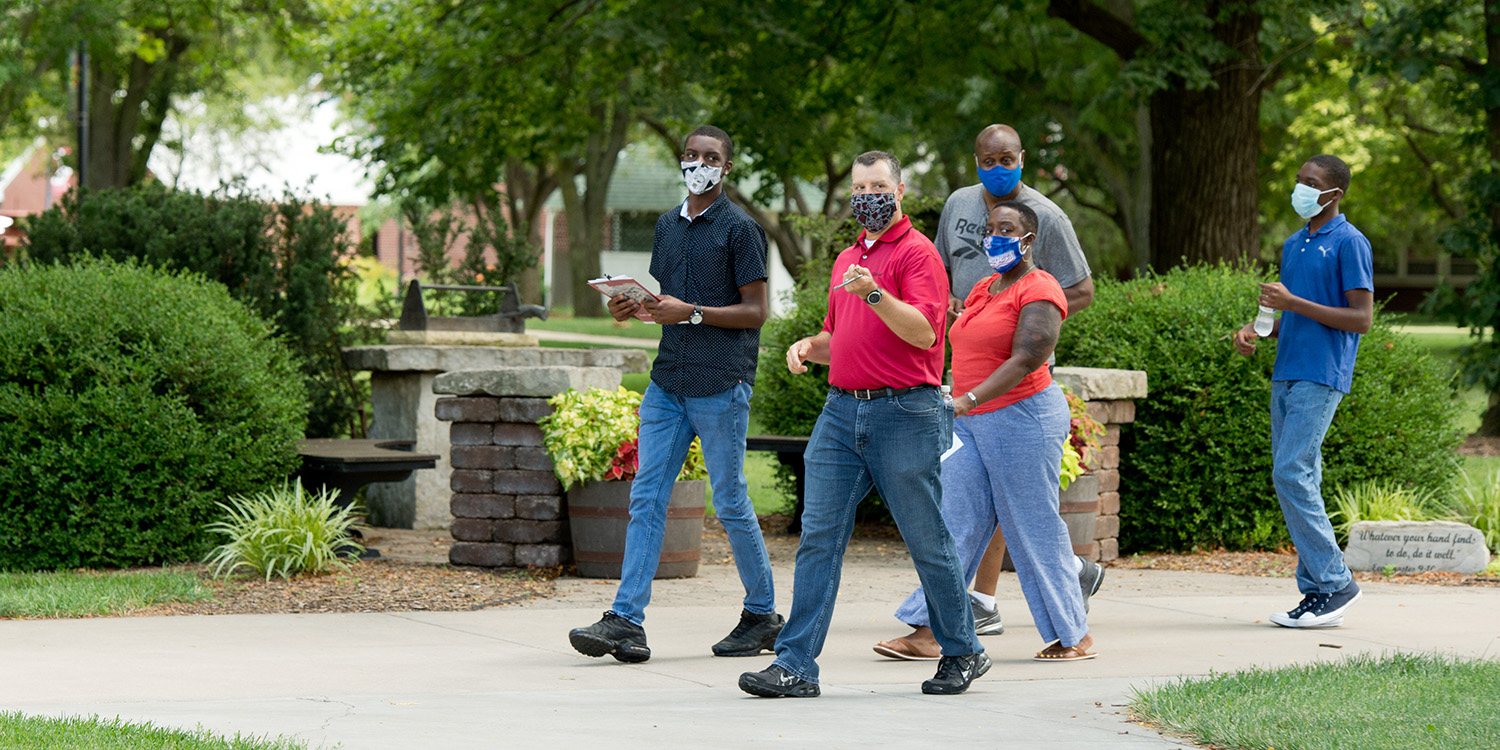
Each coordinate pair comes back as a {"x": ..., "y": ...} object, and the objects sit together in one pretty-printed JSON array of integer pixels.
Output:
[
  {"x": 31, "y": 182},
  {"x": 644, "y": 187}
]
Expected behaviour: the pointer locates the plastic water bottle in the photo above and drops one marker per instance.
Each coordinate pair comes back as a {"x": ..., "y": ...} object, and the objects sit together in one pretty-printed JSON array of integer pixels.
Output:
[
  {"x": 1265, "y": 322},
  {"x": 947, "y": 391}
]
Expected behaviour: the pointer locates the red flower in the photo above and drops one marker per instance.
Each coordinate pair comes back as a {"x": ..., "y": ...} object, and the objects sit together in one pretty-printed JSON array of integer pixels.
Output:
[{"x": 625, "y": 463}]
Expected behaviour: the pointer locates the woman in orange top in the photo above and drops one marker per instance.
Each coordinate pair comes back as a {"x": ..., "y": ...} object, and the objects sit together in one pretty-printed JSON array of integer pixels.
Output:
[{"x": 1012, "y": 421}]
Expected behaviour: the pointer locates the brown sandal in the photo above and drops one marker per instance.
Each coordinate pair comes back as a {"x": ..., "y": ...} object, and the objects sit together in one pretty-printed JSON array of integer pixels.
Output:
[
  {"x": 900, "y": 648},
  {"x": 1055, "y": 651}
]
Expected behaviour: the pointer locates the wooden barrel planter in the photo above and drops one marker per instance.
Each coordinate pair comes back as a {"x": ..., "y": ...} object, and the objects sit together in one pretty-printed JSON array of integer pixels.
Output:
[
  {"x": 598, "y": 513},
  {"x": 1079, "y": 507}
]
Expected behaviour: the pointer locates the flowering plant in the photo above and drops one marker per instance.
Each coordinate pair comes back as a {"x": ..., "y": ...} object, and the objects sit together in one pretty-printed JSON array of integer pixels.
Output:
[
  {"x": 595, "y": 435},
  {"x": 1082, "y": 447}
]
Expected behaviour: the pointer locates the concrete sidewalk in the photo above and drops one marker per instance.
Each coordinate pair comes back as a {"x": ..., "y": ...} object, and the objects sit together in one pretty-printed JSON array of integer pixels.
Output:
[{"x": 507, "y": 677}]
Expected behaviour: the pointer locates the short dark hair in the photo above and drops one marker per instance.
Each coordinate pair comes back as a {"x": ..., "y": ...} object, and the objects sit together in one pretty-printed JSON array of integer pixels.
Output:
[
  {"x": 1028, "y": 216},
  {"x": 868, "y": 159},
  {"x": 716, "y": 134},
  {"x": 1335, "y": 168}
]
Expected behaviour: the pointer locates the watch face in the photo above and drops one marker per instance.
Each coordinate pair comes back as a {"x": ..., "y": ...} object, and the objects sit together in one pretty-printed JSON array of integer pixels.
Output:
[{"x": 873, "y": 297}]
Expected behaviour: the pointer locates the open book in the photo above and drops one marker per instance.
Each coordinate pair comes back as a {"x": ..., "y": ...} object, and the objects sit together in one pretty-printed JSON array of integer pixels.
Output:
[{"x": 612, "y": 286}]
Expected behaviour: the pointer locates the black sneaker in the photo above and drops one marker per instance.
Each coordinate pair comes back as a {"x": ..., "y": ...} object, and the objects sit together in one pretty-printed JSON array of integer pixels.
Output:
[
  {"x": 754, "y": 634},
  {"x": 612, "y": 635},
  {"x": 1090, "y": 578},
  {"x": 986, "y": 621},
  {"x": 956, "y": 673},
  {"x": 775, "y": 682},
  {"x": 1320, "y": 610}
]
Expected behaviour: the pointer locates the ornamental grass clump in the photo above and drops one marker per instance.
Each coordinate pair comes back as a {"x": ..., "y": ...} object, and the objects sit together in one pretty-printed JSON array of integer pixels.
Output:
[
  {"x": 285, "y": 531},
  {"x": 1478, "y": 504},
  {"x": 1380, "y": 501},
  {"x": 594, "y": 435}
]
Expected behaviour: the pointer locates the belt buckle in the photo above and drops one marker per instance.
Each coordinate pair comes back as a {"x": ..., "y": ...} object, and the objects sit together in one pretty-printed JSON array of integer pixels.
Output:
[{"x": 864, "y": 394}]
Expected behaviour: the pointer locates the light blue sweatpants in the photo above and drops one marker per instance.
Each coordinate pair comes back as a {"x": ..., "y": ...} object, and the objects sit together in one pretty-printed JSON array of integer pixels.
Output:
[{"x": 1007, "y": 471}]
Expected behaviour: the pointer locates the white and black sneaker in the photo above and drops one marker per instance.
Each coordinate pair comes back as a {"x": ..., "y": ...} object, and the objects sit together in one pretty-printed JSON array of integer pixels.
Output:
[
  {"x": 776, "y": 682},
  {"x": 956, "y": 673},
  {"x": 1320, "y": 610},
  {"x": 1090, "y": 578},
  {"x": 986, "y": 619}
]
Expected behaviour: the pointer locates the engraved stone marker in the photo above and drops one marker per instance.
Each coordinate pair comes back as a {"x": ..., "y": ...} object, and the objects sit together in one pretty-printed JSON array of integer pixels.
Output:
[{"x": 1416, "y": 547}]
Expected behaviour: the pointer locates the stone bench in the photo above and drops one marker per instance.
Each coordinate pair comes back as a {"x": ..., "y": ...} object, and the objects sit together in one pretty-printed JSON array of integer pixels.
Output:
[
  {"x": 346, "y": 466},
  {"x": 788, "y": 450}
]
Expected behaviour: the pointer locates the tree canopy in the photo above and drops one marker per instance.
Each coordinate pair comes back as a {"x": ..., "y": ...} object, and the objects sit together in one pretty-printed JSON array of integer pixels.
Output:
[{"x": 1168, "y": 130}]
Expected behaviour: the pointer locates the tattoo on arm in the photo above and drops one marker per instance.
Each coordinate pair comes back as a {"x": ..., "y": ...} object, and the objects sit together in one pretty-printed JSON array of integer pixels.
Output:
[{"x": 1036, "y": 333}]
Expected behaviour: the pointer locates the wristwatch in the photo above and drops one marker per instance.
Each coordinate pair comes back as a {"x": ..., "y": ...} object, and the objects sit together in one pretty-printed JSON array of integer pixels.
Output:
[
  {"x": 873, "y": 297},
  {"x": 697, "y": 316}
]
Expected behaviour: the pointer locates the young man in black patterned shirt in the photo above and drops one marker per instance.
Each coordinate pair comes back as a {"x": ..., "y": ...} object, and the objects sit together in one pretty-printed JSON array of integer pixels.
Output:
[{"x": 710, "y": 258}]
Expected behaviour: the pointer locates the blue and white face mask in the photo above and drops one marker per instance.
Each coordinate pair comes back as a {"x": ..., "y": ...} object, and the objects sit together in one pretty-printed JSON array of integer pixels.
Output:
[
  {"x": 1305, "y": 200},
  {"x": 1003, "y": 253}
]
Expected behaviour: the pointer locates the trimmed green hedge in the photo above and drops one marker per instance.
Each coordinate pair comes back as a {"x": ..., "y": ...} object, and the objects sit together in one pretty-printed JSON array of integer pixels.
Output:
[
  {"x": 131, "y": 402},
  {"x": 1197, "y": 462},
  {"x": 282, "y": 257}
]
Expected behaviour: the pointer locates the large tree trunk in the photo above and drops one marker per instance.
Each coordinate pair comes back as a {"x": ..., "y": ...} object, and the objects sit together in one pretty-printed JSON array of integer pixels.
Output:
[
  {"x": 1138, "y": 211},
  {"x": 1490, "y": 423},
  {"x": 526, "y": 190},
  {"x": 588, "y": 212},
  {"x": 1203, "y": 158},
  {"x": 123, "y": 132},
  {"x": 1203, "y": 144}
]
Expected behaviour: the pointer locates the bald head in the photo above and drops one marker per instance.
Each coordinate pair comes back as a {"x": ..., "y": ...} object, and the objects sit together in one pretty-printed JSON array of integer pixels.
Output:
[
  {"x": 999, "y": 158},
  {"x": 997, "y": 138}
]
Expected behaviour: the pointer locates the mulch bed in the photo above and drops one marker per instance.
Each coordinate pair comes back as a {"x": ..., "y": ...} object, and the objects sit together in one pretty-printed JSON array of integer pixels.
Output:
[
  {"x": 1477, "y": 445},
  {"x": 369, "y": 586},
  {"x": 1281, "y": 564}
]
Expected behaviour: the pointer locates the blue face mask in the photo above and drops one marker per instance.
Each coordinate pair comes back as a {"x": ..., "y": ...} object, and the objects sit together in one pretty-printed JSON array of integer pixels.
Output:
[
  {"x": 1003, "y": 252},
  {"x": 999, "y": 180},
  {"x": 1305, "y": 200}
]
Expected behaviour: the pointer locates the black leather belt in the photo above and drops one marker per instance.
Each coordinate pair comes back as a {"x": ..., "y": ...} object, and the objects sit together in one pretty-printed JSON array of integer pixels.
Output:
[{"x": 865, "y": 394}]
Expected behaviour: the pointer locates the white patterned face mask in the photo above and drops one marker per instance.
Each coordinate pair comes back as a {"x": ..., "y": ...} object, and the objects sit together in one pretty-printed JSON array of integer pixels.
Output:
[{"x": 700, "y": 179}]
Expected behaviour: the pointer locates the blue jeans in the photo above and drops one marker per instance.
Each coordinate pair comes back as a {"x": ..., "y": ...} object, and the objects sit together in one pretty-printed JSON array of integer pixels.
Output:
[
  {"x": 1301, "y": 411},
  {"x": 668, "y": 425},
  {"x": 894, "y": 444},
  {"x": 1007, "y": 472}
]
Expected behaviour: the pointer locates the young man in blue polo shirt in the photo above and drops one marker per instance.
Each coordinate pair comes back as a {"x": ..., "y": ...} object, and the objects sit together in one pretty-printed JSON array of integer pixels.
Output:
[
  {"x": 710, "y": 258},
  {"x": 1327, "y": 298}
]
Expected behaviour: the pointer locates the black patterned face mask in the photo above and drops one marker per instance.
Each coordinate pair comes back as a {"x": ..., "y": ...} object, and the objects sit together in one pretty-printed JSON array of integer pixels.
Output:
[{"x": 873, "y": 211}]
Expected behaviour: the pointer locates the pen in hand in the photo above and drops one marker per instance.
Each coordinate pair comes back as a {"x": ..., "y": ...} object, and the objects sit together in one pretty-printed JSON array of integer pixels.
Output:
[{"x": 846, "y": 282}]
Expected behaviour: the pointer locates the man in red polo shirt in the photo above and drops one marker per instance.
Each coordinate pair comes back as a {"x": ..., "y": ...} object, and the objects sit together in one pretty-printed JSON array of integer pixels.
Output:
[{"x": 885, "y": 424}]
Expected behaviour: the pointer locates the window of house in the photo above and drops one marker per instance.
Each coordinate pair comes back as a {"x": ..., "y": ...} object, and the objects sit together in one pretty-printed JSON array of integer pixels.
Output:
[{"x": 633, "y": 231}]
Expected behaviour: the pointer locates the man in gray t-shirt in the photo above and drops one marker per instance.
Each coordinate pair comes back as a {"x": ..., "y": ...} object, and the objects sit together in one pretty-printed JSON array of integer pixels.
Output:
[{"x": 1000, "y": 159}]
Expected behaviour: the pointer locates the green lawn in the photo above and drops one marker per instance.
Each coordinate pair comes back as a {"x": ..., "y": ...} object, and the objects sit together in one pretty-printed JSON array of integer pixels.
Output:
[
  {"x": 90, "y": 594},
  {"x": 18, "y": 732},
  {"x": 1365, "y": 702},
  {"x": 561, "y": 319},
  {"x": 1445, "y": 346},
  {"x": 1480, "y": 468}
]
